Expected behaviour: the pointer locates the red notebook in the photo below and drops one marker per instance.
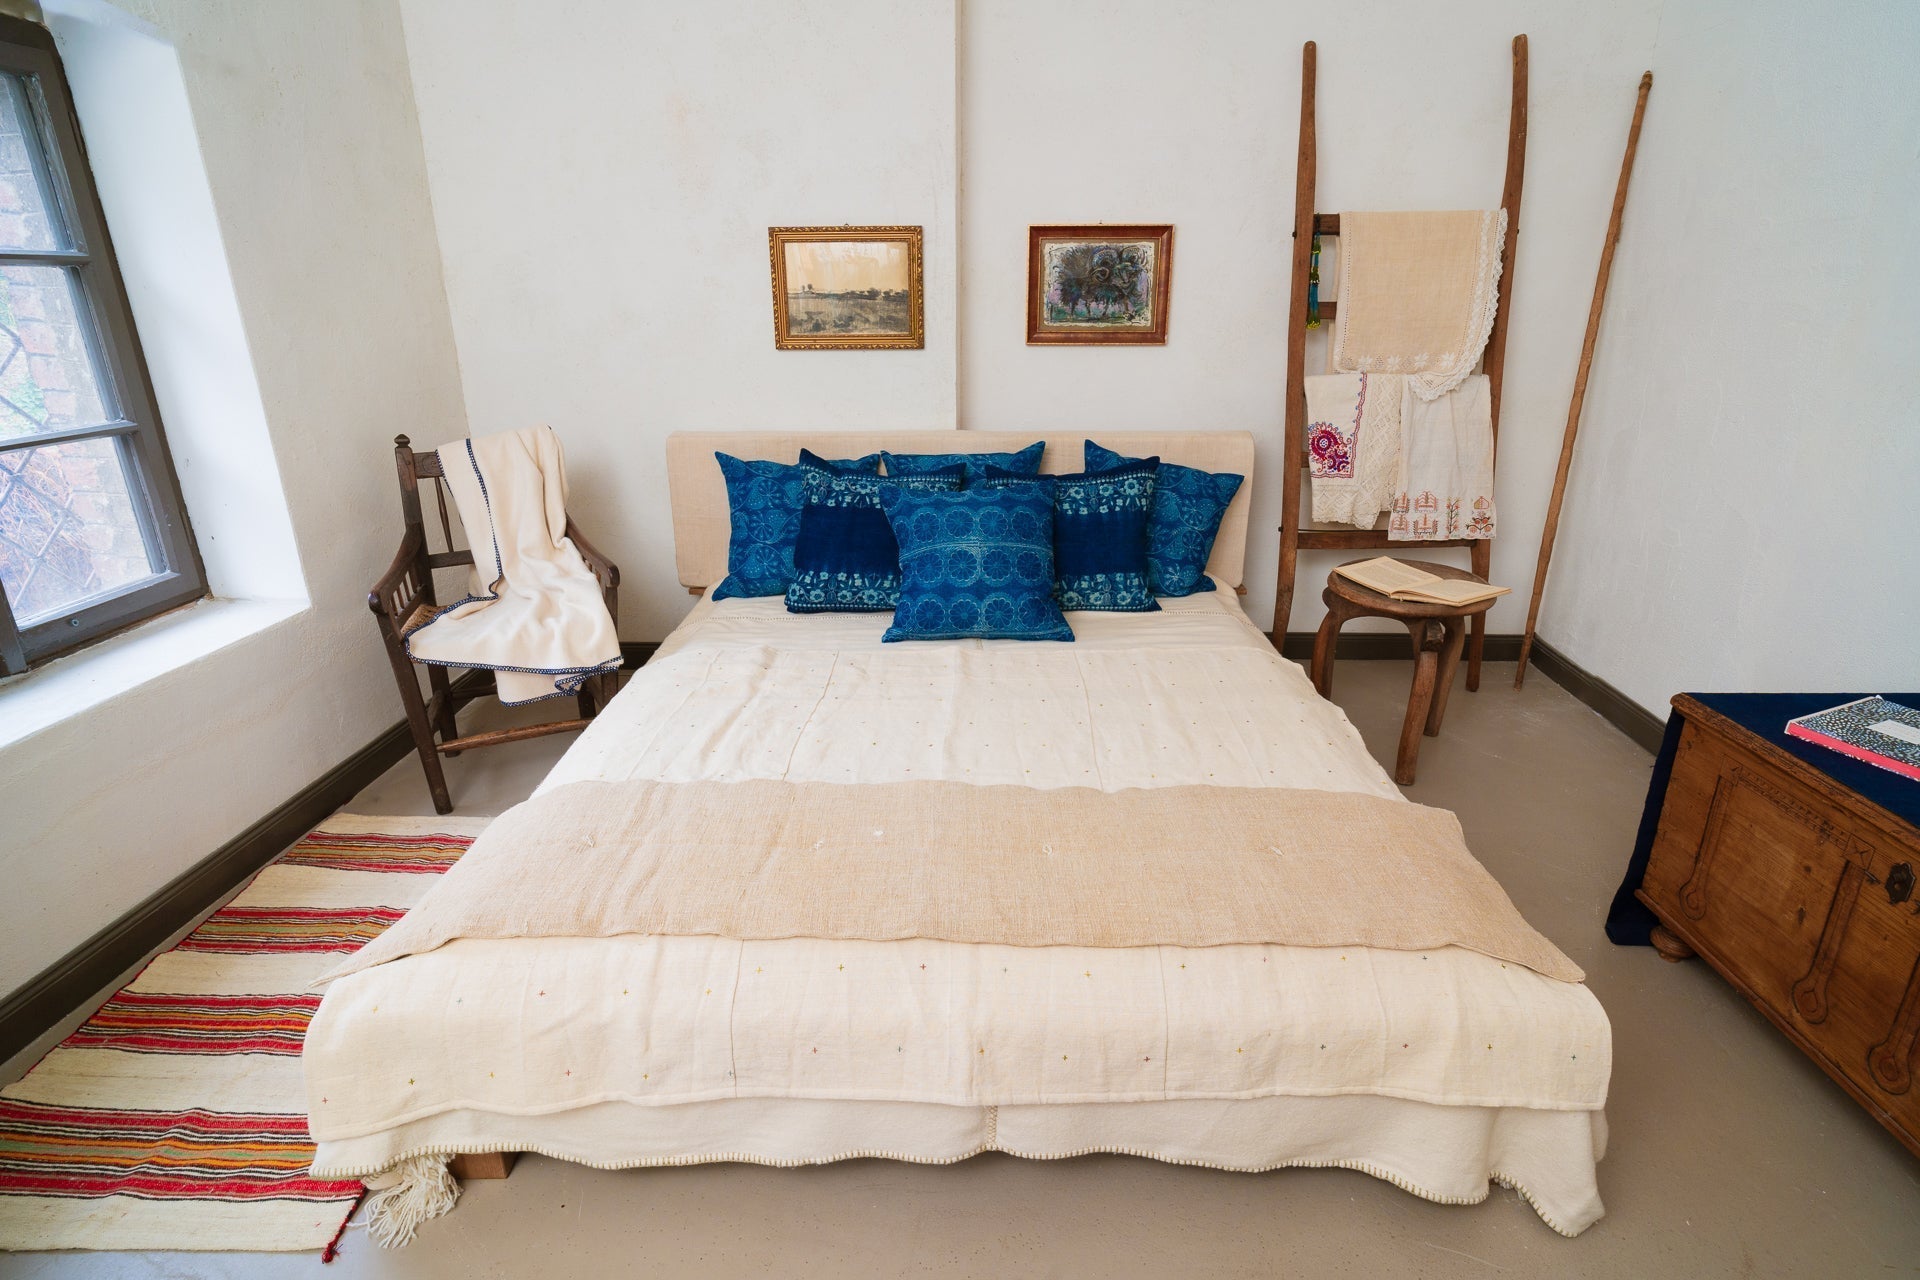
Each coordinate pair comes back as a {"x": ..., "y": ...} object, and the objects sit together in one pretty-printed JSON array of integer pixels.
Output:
[{"x": 1880, "y": 732}]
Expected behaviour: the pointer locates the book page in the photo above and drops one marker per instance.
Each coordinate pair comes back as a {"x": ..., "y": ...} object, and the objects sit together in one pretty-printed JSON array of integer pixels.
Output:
[
  {"x": 1386, "y": 575},
  {"x": 1455, "y": 591}
]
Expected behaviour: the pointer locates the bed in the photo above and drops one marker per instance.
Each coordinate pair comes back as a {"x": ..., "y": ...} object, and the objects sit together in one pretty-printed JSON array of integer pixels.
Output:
[{"x": 1441, "y": 1069}]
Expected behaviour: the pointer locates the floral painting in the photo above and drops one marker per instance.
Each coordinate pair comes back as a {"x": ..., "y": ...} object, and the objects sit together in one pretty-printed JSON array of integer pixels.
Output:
[{"x": 1098, "y": 284}]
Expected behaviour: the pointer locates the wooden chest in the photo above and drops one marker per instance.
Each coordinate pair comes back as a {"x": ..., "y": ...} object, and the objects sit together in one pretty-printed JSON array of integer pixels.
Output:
[{"x": 1803, "y": 896}]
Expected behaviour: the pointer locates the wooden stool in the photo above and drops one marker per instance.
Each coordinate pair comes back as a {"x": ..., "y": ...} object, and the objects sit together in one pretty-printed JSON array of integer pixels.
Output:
[{"x": 1437, "y": 631}]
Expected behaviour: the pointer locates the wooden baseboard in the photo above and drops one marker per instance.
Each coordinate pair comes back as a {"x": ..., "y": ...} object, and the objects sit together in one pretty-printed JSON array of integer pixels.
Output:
[
  {"x": 1615, "y": 707},
  {"x": 1369, "y": 645}
]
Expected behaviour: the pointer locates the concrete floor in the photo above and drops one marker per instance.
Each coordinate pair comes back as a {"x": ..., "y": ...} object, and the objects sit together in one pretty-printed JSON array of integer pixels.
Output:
[{"x": 1731, "y": 1155}]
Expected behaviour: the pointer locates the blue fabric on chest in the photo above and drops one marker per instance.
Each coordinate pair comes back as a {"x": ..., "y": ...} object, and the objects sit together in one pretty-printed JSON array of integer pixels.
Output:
[
  {"x": 1025, "y": 462},
  {"x": 975, "y": 565},
  {"x": 1099, "y": 536},
  {"x": 764, "y": 501},
  {"x": 1188, "y": 505},
  {"x": 845, "y": 557}
]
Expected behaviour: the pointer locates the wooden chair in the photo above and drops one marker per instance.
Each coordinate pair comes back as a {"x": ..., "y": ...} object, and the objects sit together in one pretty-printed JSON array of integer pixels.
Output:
[
  {"x": 403, "y": 599},
  {"x": 1297, "y": 535},
  {"x": 1437, "y": 631}
]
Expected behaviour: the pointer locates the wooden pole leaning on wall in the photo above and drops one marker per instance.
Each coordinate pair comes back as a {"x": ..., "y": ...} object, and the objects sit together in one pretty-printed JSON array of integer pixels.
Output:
[
  {"x": 1578, "y": 401},
  {"x": 1294, "y": 440}
]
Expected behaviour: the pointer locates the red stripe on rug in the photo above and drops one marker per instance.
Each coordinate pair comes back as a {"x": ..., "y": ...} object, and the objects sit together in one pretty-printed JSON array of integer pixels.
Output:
[
  {"x": 262, "y": 930},
  {"x": 427, "y": 855},
  {"x": 161, "y": 1022}
]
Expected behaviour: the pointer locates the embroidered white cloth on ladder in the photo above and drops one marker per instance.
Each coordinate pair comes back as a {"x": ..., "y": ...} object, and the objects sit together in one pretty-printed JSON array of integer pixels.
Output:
[
  {"x": 1353, "y": 444},
  {"x": 1417, "y": 294},
  {"x": 533, "y": 614},
  {"x": 1444, "y": 487}
]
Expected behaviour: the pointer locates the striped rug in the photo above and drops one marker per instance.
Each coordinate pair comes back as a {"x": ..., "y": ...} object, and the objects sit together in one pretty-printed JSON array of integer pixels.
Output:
[{"x": 174, "y": 1118}]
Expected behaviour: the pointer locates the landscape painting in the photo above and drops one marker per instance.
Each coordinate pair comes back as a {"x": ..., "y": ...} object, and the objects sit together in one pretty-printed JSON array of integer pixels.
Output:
[
  {"x": 846, "y": 287},
  {"x": 1098, "y": 284}
]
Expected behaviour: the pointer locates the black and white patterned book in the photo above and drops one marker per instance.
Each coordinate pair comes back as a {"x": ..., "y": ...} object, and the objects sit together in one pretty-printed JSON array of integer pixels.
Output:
[{"x": 1873, "y": 729}]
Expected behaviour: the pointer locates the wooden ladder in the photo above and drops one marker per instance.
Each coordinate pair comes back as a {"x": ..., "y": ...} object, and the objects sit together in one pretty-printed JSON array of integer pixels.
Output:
[{"x": 1306, "y": 225}]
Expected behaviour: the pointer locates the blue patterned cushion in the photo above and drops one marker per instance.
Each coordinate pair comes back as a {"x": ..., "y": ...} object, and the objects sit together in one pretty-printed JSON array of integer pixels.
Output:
[
  {"x": 1025, "y": 463},
  {"x": 975, "y": 565},
  {"x": 845, "y": 558},
  {"x": 1100, "y": 536},
  {"x": 764, "y": 500},
  {"x": 1188, "y": 505}
]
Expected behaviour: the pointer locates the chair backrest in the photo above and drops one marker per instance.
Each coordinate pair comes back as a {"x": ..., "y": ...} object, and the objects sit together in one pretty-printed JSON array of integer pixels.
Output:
[{"x": 413, "y": 468}]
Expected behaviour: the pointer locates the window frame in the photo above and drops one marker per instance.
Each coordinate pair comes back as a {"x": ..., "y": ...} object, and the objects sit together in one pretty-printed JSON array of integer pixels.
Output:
[{"x": 113, "y": 345}]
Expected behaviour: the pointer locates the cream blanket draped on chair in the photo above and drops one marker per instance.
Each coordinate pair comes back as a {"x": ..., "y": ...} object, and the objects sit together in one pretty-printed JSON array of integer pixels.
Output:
[{"x": 533, "y": 613}]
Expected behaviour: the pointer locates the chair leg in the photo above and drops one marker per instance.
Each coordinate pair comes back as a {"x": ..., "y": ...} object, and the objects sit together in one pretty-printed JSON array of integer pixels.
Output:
[
  {"x": 1476, "y": 649},
  {"x": 417, "y": 722},
  {"x": 1324, "y": 644},
  {"x": 437, "y": 685},
  {"x": 1481, "y": 557},
  {"x": 1428, "y": 639},
  {"x": 1456, "y": 631}
]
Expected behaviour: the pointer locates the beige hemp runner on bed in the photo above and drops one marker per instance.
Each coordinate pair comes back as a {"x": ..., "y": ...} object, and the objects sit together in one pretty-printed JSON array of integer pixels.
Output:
[{"x": 1180, "y": 866}]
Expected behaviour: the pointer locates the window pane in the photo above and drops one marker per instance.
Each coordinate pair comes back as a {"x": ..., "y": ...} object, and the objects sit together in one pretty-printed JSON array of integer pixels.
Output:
[
  {"x": 29, "y": 219},
  {"x": 68, "y": 529},
  {"x": 47, "y": 381}
]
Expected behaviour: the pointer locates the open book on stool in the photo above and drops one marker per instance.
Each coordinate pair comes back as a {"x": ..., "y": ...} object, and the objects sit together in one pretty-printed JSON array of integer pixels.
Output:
[{"x": 1400, "y": 581}]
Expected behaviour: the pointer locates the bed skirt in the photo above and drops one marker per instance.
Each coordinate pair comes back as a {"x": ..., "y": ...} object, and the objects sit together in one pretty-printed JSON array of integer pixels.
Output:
[{"x": 1447, "y": 1154}]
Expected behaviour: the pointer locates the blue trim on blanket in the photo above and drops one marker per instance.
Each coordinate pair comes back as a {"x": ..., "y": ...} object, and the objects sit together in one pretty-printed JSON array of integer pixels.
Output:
[{"x": 567, "y": 681}]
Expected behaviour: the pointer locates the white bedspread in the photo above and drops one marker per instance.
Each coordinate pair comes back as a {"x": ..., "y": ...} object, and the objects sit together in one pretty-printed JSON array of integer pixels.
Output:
[{"x": 1194, "y": 694}]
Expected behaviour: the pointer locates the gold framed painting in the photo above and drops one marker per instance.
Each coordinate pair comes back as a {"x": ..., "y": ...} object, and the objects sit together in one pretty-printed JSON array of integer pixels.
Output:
[
  {"x": 1099, "y": 285},
  {"x": 846, "y": 288}
]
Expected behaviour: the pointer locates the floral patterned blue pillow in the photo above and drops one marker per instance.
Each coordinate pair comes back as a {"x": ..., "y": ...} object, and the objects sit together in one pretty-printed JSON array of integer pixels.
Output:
[
  {"x": 1099, "y": 536},
  {"x": 1188, "y": 505},
  {"x": 975, "y": 565},
  {"x": 1026, "y": 462},
  {"x": 845, "y": 557},
  {"x": 765, "y": 500}
]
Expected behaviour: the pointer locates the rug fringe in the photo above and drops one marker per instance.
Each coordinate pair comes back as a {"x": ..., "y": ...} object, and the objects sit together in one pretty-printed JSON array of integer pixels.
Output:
[{"x": 415, "y": 1190}]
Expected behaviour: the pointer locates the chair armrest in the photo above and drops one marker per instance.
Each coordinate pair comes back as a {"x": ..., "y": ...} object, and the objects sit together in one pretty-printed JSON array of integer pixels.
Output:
[
  {"x": 398, "y": 590},
  {"x": 604, "y": 569}
]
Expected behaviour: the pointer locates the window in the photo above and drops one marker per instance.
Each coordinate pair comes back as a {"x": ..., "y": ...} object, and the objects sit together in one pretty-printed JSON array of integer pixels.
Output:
[{"x": 93, "y": 534}]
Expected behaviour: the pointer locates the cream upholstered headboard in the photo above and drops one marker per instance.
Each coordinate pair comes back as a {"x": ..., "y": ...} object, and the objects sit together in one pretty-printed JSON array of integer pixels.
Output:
[{"x": 699, "y": 494}]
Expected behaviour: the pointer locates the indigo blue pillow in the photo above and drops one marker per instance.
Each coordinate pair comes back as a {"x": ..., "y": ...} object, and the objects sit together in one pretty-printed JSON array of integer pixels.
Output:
[
  {"x": 764, "y": 500},
  {"x": 1188, "y": 505},
  {"x": 845, "y": 557},
  {"x": 1100, "y": 536},
  {"x": 1026, "y": 462},
  {"x": 975, "y": 565}
]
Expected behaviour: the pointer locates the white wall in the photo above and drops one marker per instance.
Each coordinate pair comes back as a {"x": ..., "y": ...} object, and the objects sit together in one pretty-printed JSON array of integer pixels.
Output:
[
  {"x": 1742, "y": 511},
  {"x": 603, "y": 178},
  {"x": 1189, "y": 113},
  {"x": 305, "y": 124}
]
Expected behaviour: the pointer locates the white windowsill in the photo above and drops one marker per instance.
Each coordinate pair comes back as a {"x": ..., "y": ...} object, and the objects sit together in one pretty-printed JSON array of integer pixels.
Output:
[{"x": 73, "y": 685}]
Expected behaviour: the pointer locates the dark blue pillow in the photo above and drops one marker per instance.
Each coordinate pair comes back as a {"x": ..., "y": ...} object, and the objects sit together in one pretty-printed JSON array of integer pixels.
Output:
[
  {"x": 1100, "y": 536},
  {"x": 975, "y": 565},
  {"x": 1025, "y": 463},
  {"x": 845, "y": 557},
  {"x": 764, "y": 500},
  {"x": 1188, "y": 505}
]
